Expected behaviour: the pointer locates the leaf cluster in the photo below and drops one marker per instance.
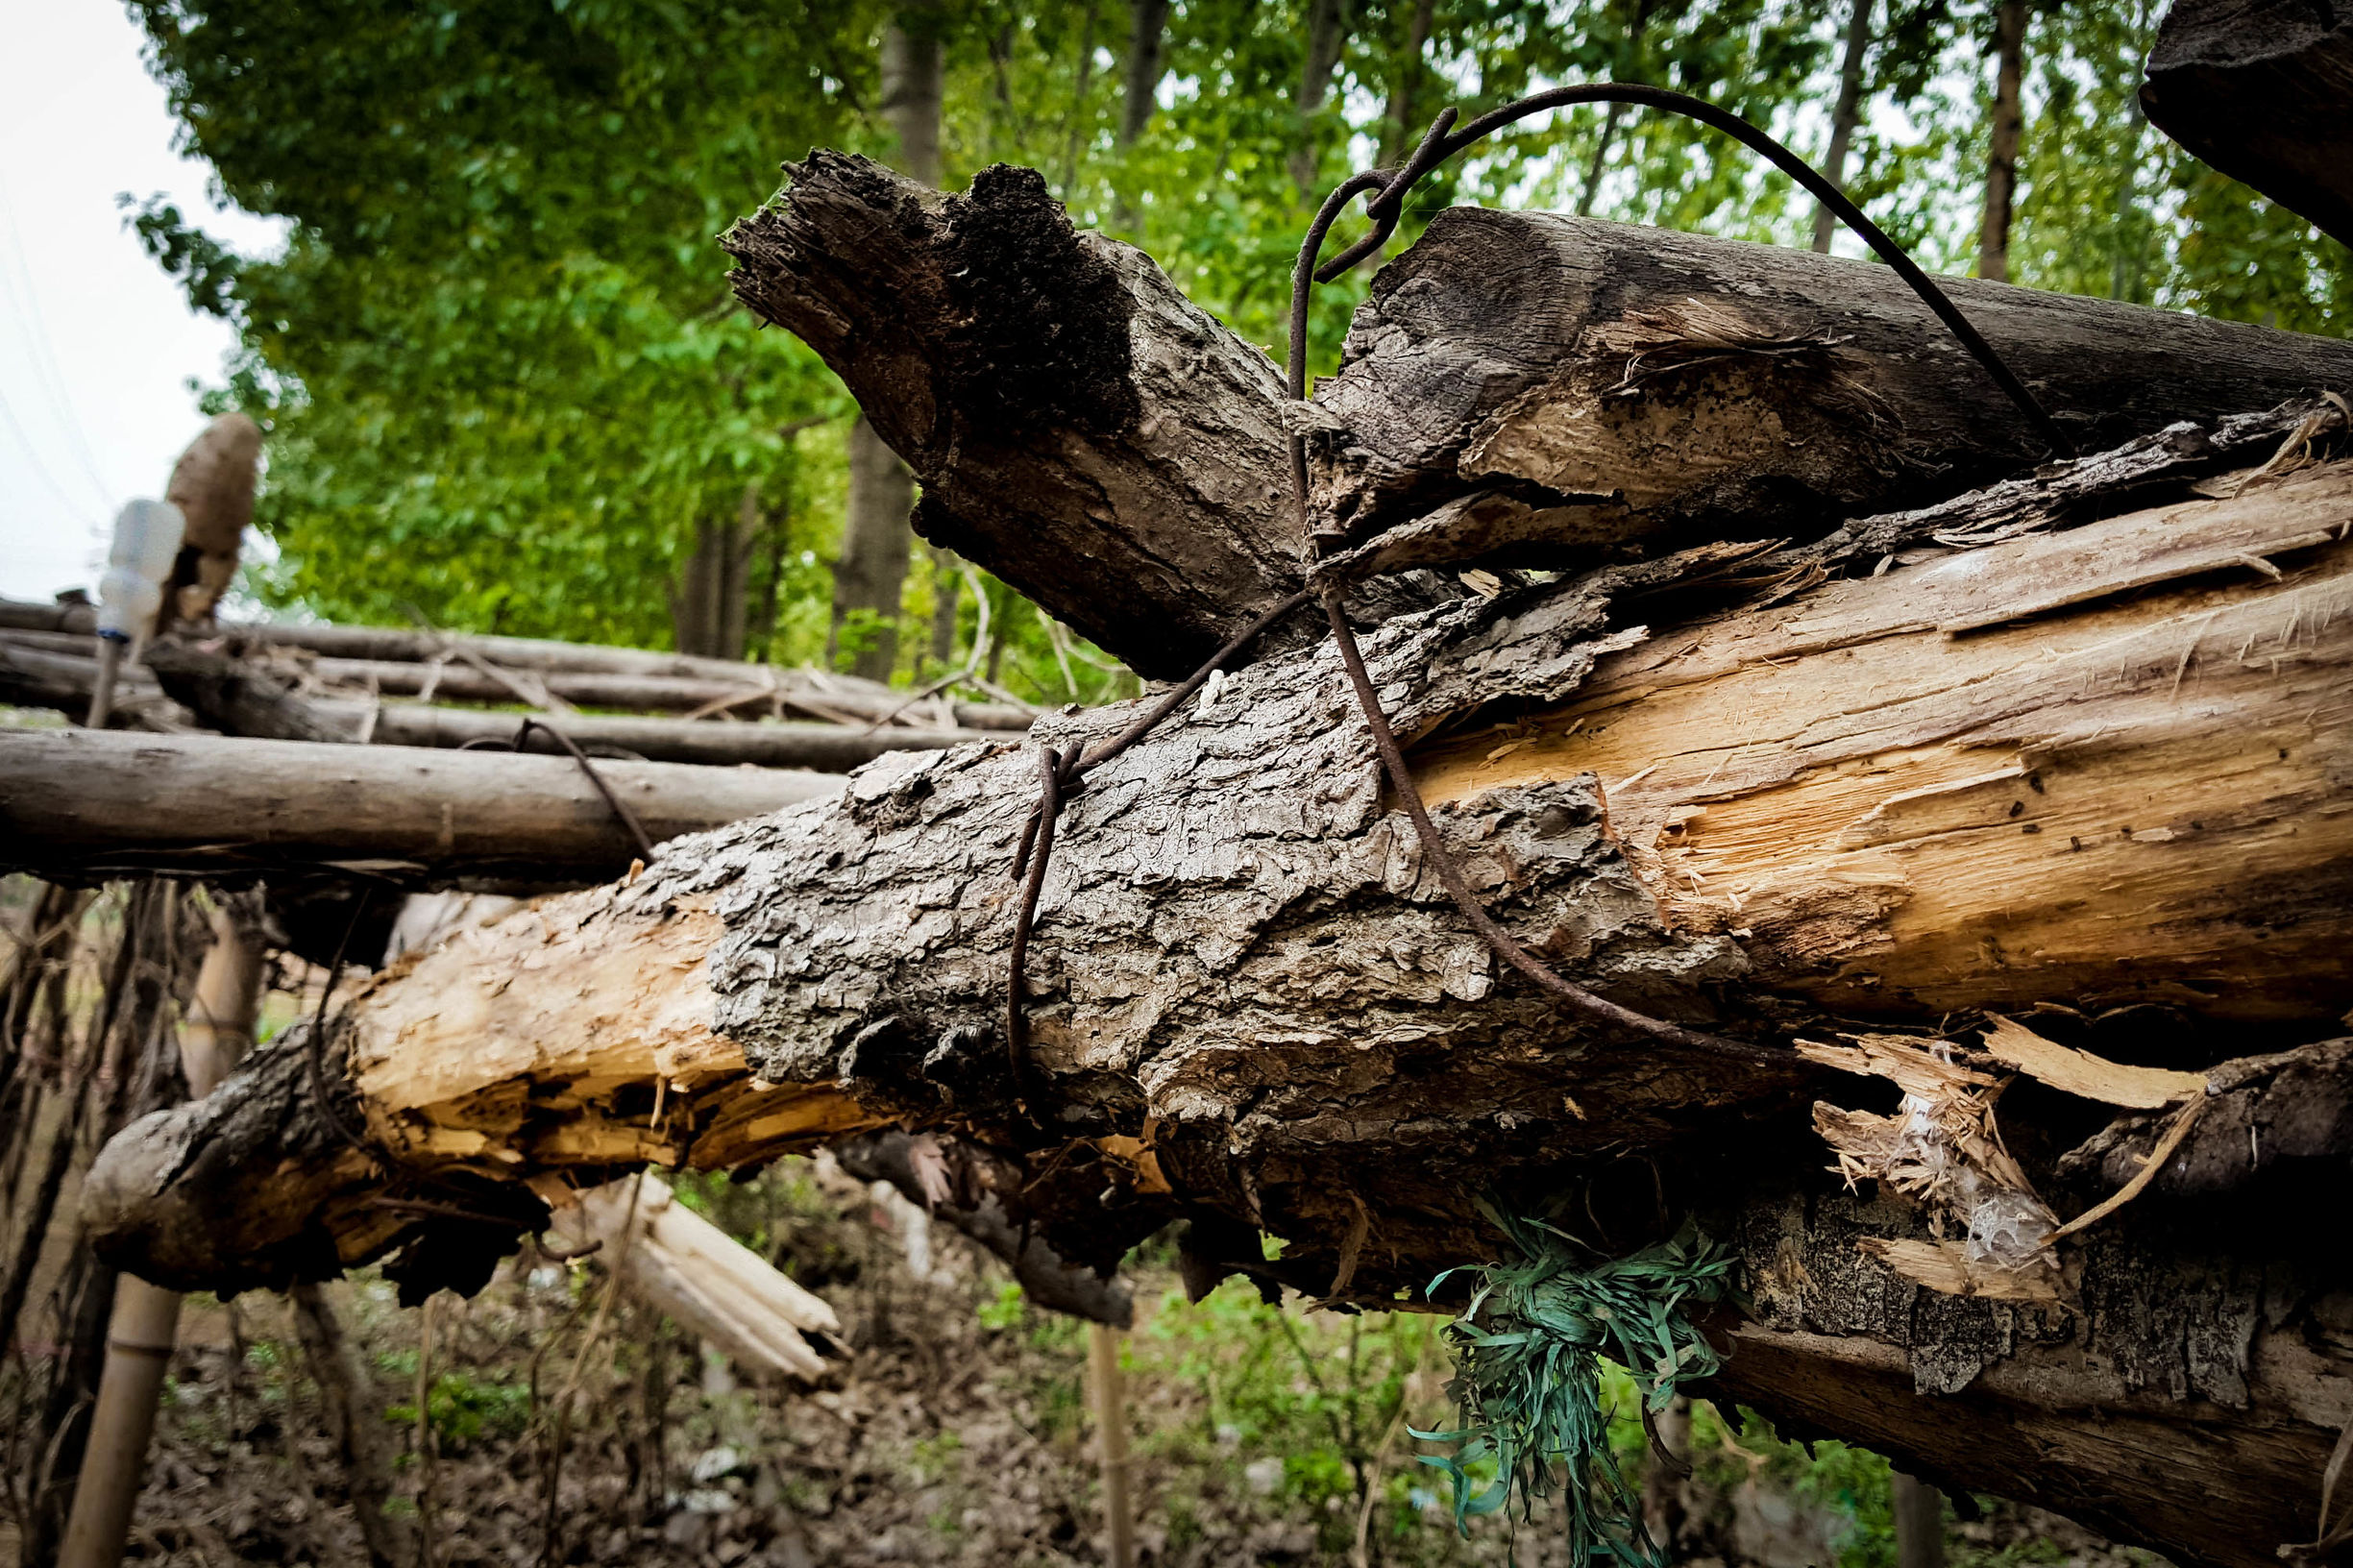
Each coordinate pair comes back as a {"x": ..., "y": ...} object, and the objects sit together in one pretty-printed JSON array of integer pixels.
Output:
[{"x": 1527, "y": 1383}]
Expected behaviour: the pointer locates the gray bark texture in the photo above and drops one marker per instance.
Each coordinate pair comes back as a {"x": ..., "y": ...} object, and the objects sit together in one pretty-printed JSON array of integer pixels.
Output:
[
  {"x": 1059, "y": 400},
  {"x": 2071, "y": 748},
  {"x": 84, "y": 806},
  {"x": 2262, "y": 90},
  {"x": 1656, "y": 385}
]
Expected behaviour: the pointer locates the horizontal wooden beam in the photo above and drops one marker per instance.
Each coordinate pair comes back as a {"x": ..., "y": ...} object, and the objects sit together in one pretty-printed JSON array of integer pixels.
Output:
[{"x": 78, "y": 804}]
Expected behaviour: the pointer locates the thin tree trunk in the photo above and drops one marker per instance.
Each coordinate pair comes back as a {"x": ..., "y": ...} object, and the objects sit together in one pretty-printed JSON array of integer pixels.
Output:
[
  {"x": 875, "y": 541},
  {"x": 1079, "y": 128},
  {"x": 875, "y": 547},
  {"x": 1327, "y": 37},
  {"x": 1148, "y": 32},
  {"x": 1627, "y": 69},
  {"x": 2007, "y": 122},
  {"x": 349, "y": 1402},
  {"x": 946, "y": 593},
  {"x": 1845, "y": 117},
  {"x": 142, "y": 1330},
  {"x": 1401, "y": 126},
  {"x": 1920, "y": 1522}
]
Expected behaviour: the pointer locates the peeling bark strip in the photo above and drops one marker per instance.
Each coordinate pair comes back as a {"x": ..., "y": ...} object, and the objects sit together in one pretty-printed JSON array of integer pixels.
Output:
[{"x": 1704, "y": 386}]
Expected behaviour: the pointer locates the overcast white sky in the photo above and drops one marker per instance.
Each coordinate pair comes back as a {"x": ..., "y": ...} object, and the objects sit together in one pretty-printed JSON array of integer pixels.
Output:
[{"x": 97, "y": 346}]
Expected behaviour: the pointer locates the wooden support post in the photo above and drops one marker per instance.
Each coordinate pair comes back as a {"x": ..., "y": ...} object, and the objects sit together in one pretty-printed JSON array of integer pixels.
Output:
[
  {"x": 141, "y": 1335},
  {"x": 1920, "y": 1522},
  {"x": 1110, "y": 1432}
]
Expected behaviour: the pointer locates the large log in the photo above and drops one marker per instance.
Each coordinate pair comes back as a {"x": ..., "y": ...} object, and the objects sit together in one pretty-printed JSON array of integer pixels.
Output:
[
  {"x": 81, "y": 805},
  {"x": 1061, "y": 402},
  {"x": 2261, "y": 89},
  {"x": 1903, "y": 797},
  {"x": 1650, "y": 382}
]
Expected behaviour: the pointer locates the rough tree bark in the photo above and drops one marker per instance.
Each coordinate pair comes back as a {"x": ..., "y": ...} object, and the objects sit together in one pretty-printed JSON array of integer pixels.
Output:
[
  {"x": 2091, "y": 715},
  {"x": 2259, "y": 88},
  {"x": 1229, "y": 891}
]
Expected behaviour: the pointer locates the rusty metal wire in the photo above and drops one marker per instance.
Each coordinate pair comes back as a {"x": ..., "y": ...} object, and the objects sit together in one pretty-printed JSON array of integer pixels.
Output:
[
  {"x": 619, "y": 807},
  {"x": 1063, "y": 772}
]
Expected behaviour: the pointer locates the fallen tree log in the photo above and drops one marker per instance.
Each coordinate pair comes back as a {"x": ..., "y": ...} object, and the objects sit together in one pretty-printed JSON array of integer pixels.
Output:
[
  {"x": 32, "y": 677},
  {"x": 2259, "y": 89},
  {"x": 2099, "y": 767},
  {"x": 2057, "y": 748},
  {"x": 1627, "y": 384},
  {"x": 81, "y": 805}
]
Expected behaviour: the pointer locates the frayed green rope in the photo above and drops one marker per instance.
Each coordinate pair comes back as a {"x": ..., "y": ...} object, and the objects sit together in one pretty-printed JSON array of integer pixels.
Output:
[{"x": 1527, "y": 1383}]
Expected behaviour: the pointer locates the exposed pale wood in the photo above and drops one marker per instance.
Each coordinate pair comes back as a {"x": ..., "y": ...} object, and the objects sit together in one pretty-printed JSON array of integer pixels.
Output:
[
  {"x": 80, "y": 804},
  {"x": 1717, "y": 387},
  {"x": 2081, "y": 1072},
  {"x": 2141, "y": 799},
  {"x": 568, "y": 1038},
  {"x": 2261, "y": 89},
  {"x": 1839, "y": 774},
  {"x": 712, "y": 1285}
]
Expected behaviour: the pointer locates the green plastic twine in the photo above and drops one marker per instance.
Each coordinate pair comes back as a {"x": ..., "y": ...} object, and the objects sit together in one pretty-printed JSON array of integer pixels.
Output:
[{"x": 1528, "y": 1380}]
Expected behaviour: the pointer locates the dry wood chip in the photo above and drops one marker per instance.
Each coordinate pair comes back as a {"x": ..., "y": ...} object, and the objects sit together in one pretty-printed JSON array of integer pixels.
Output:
[
  {"x": 2079, "y": 1073},
  {"x": 1944, "y": 1268}
]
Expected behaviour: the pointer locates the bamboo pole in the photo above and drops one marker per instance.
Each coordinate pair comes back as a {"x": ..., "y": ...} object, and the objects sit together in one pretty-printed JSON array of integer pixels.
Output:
[
  {"x": 141, "y": 1335},
  {"x": 1110, "y": 1428}
]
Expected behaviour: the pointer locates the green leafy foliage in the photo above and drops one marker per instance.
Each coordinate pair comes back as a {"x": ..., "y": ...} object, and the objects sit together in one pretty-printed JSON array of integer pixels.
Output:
[
  {"x": 465, "y": 1409},
  {"x": 1528, "y": 1385},
  {"x": 505, "y": 384}
]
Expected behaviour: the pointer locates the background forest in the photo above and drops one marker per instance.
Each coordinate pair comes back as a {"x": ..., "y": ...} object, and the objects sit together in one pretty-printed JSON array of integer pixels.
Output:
[{"x": 507, "y": 390}]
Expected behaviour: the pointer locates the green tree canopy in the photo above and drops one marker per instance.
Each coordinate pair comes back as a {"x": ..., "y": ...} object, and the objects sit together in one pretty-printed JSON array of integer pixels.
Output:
[{"x": 505, "y": 383}]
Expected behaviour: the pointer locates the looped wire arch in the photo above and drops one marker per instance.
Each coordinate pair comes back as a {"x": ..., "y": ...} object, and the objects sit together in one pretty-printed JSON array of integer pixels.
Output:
[{"x": 1062, "y": 773}]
